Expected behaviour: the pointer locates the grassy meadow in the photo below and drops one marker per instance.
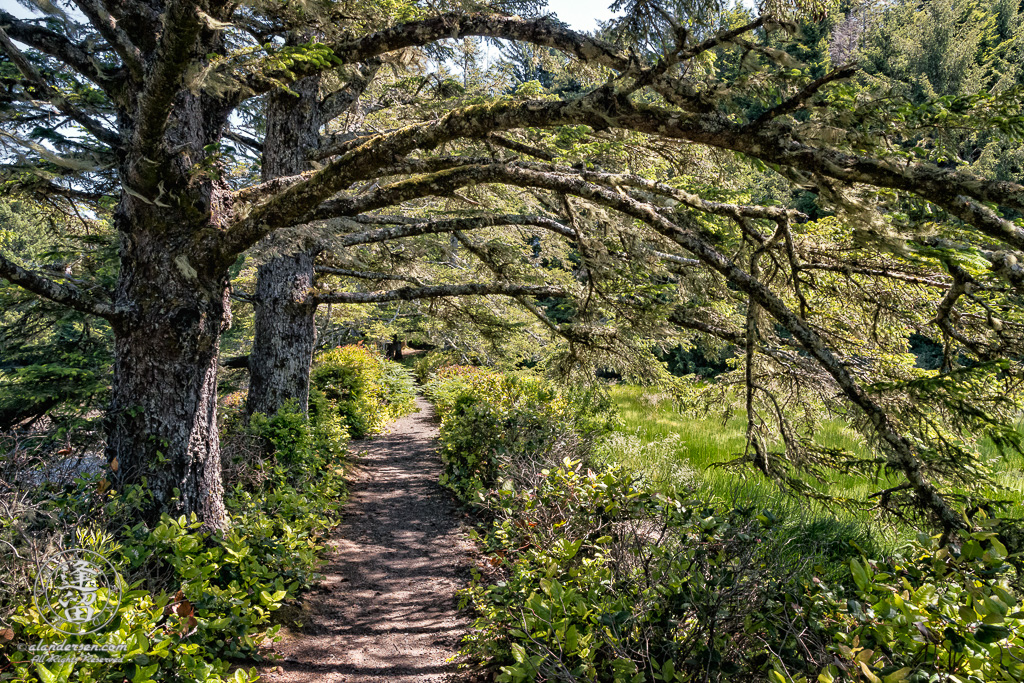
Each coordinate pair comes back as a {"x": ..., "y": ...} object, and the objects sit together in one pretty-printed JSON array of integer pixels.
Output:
[{"x": 670, "y": 448}]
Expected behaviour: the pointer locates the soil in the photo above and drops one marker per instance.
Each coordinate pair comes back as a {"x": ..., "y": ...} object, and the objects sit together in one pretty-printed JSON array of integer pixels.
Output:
[{"x": 386, "y": 610}]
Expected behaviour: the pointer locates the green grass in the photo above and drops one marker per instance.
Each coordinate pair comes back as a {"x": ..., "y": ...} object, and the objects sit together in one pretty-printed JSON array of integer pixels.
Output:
[
  {"x": 670, "y": 448},
  {"x": 705, "y": 443}
]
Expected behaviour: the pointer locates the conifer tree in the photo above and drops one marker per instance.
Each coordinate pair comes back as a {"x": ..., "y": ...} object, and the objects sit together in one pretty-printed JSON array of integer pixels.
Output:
[{"x": 140, "y": 96}]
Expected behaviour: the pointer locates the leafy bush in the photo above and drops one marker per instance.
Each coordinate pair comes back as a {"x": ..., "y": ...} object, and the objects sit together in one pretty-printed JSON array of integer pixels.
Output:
[
  {"x": 494, "y": 423},
  {"x": 369, "y": 390},
  {"x": 194, "y": 601},
  {"x": 592, "y": 578},
  {"x": 935, "y": 614},
  {"x": 593, "y": 574},
  {"x": 426, "y": 365}
]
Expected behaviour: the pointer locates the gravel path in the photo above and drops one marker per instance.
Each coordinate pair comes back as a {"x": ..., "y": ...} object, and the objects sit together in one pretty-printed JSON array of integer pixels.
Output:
[{"x": 386, "y": 610}]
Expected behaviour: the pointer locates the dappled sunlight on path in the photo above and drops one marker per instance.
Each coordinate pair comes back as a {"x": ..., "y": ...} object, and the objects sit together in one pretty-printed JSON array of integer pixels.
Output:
[{"x": 386, "y": 610}]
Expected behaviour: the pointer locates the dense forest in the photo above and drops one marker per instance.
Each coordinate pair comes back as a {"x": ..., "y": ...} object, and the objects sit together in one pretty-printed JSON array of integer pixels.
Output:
[{"x": 716, "y": 310}]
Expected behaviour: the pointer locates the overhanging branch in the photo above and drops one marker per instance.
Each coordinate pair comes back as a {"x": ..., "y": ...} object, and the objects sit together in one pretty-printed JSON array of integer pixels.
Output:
[
  {"x": 542, "y": 32},
  {"x": 435, "y": 292},
  {"x": 435, "y": 226},
  {"x": 67, "y": 295},
  {"x": 53, "y": 96},
  {"x": 58, "y": 47}
]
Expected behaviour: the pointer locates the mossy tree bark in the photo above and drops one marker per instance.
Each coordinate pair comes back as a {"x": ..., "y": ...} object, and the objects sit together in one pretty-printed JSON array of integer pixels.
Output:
[
  {"x": 285, "y": 333},
  {"x": 162, "y": 421}
]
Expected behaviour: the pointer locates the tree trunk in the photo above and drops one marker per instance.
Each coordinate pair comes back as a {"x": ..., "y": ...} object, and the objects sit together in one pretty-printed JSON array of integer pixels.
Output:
[
  {"x": 285, "y": 333},
  {"x": 395, "y": 349},
  {"x": 162, "y": 422}
]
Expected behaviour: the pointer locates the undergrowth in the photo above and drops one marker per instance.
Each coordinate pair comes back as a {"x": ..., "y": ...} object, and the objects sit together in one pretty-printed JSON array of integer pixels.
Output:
[
  {"x": 197, "y": 606},
  {"x": 595, "y": 573},
  {"x": 369, "y": 390}
]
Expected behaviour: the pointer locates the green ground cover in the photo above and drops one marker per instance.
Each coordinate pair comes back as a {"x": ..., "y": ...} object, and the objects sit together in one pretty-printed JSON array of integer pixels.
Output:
[
  {"x": 672, "y": 448},
  {"x": 594, "y": 573}
]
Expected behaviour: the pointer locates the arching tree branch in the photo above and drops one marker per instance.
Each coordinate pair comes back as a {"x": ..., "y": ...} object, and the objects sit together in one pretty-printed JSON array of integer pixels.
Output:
[
  {"x": 58, "y": 47},
  {"x": 456, "y": 25},
  {"x": 366, "y": 275},
  {"x": 899, "y": 449},
  {"x": 434, "y": 226},
  {"x": 434, "y": 292},
  {"x": 54, "y": 97}
]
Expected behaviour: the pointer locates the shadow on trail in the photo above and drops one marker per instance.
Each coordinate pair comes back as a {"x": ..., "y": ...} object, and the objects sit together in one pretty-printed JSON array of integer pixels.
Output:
[{"x": 386, "y": 610}]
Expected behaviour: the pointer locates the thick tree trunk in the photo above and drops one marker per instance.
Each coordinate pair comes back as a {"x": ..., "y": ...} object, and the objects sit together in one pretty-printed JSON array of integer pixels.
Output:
[
  {"x": 162, "y": 423},
  {"x": 285, "y": 333}
]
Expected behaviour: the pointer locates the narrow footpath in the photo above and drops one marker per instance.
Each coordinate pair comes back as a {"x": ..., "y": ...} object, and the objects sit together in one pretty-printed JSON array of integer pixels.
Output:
[{"x": 386, "y": 610}]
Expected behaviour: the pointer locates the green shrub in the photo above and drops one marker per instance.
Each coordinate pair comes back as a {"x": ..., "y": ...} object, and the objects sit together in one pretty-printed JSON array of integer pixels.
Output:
[
  {"x": 935, "y": 614},
  {"x": 494, "y": 423},
  {"x": 194, "y": 601},
  {"x": 426, "y": 365},
  {"x": 369, "y": 390},
  {"x": 592, "y": 578},
  {"x": 593, "y": 574}
]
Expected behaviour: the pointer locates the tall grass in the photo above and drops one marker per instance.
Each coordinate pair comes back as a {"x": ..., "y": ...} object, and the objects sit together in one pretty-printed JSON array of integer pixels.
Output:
[
  {"x": 666, "y": 446},
  {"x": 670, "y": 450}
]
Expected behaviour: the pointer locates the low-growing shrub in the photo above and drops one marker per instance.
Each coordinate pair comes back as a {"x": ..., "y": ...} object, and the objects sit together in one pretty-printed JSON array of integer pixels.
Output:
[
  {"x": 493, "y": 423},
  {"x": 594, "y": 574},
  {"x": 194, "y": 601},
  {"x": 369, "y": 390},
  {"x": 935, "y": 613},
  {"x": 425, "y": 365},
  {"x": 592, "y": 578}
]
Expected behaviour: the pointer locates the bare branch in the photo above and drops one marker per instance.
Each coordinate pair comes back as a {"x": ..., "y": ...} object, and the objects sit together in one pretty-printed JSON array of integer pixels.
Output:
[
  {"x": 956, "y": 191},
  {"x": 604, "y": 108},
  {"x": 680, "y": 318},
  {"x": 67, "y": 295},
  {"x": 434, "y": 292}
]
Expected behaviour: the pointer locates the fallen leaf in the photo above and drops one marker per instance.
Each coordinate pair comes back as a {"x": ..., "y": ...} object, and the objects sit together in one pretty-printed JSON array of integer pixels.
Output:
[{"x": 184, "y": 609}]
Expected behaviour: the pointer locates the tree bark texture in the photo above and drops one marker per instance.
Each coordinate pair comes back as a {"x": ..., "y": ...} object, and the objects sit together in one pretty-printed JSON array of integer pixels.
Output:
[
  {"x": 162, "y": 422},
  {"x": 285, "y": 333}
]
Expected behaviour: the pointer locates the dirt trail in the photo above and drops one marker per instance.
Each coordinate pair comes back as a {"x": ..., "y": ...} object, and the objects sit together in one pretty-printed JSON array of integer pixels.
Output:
[{"x": 386, "y": 610}]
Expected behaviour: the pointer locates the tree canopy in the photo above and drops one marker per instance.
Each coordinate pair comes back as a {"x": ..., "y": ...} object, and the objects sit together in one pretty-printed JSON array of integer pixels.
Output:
[{"x": 688, "y": 174}]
